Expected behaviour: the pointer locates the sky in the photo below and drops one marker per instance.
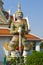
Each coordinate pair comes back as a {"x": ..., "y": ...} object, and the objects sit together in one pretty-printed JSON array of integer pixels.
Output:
[{"x": 31, "y": 8}]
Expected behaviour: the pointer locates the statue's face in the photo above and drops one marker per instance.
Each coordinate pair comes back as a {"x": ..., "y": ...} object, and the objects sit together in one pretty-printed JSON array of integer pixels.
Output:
[{"x": 19, "y": 15}]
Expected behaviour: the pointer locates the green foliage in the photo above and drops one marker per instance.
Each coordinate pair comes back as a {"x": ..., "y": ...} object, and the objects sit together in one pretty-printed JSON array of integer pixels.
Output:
[{"x": 36, "y": 58}]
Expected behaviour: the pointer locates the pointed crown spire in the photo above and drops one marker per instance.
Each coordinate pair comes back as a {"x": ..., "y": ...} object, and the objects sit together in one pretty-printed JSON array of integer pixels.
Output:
[
  {"x": 19, "y": 13},
  {"x": 19, "y": 7}
]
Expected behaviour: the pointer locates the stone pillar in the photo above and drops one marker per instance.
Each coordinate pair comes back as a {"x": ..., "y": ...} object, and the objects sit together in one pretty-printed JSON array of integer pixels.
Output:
[{"x": 37, "y": 47}]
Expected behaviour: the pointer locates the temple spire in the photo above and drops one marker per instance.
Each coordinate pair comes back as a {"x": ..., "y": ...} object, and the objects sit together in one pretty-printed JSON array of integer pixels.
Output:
[{"x": 1, "y": 4}]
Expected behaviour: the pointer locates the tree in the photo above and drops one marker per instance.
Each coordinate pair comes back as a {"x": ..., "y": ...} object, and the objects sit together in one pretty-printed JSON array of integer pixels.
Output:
[{"x": 36, "y": 58}]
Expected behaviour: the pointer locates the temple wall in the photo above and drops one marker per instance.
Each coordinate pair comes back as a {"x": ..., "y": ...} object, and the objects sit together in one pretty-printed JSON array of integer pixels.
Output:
[
  {"x": 2, "y": 40},
  {"x": 37, "y": 47}
]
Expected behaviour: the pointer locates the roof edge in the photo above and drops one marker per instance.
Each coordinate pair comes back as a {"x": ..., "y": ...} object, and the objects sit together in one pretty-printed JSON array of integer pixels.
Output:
[{"x": 36, "y": 36}]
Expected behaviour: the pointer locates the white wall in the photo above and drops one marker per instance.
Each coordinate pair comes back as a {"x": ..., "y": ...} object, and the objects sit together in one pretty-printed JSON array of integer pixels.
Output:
[
  {"x": 2, "y": 40},
  {"x": 37, "y": 47}
]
